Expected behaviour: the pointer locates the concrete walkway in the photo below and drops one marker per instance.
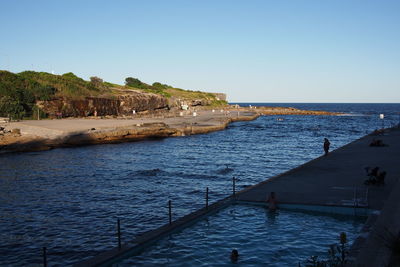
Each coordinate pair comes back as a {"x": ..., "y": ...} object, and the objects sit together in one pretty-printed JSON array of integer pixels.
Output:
[{"x": 337, "y": 178}]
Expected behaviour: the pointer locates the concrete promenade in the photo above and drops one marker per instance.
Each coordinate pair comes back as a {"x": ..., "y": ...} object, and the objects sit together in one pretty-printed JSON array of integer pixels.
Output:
[{"x": 338, "y": 178}]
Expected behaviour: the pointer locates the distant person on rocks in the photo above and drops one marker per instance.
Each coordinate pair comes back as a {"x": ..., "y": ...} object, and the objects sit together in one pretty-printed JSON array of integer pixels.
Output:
[
  {"x": 272, "y": 202},
  {"x": 326, "y": 146}
]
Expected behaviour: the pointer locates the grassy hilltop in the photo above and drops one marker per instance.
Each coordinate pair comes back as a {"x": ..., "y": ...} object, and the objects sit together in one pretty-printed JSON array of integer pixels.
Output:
[{"x": 19, "y": 92}]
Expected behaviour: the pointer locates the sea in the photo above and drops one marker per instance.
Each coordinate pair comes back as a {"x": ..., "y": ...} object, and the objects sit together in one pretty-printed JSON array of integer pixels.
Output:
[{"x": 69, "y": 199}]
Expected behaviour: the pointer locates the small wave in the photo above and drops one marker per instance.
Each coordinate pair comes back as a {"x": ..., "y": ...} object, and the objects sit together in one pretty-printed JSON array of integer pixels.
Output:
[
  {"x": 149, "y": 192},
  {"x": 151, "y": 172},
  {"x": 225, "y": 170},
  {"x": 277, "y": 136},
  {"x": 254, "y": 126},
  {"x": 193, "y": 192},
  {"x": 200, "y": 176}
]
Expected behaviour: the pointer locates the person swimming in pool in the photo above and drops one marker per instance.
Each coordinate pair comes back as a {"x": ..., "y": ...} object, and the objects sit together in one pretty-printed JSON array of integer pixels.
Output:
[
  {"x": 272, "y": 202},
  {"x": 234, "y": 255}
]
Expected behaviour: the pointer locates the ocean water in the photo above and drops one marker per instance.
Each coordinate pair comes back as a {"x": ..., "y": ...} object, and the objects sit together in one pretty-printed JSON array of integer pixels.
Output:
[{"x": 69, "y": 199}]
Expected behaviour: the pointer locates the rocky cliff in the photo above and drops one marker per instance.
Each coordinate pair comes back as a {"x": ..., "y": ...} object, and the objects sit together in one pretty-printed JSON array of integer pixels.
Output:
[
  {"x": 118, "y": 105},
  {"x": 31, "y": 94}
]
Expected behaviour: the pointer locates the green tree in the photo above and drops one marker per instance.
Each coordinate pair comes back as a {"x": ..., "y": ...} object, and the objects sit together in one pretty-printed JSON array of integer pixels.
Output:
[
  {"x": 96, "y": 83},
  {"x": 70, "y": 75},
  {"x": 134, "y": 82},
  {"x": 11, "y": 108},
  {"x": 158, "y": 85},
  {"x": 161, "y": 85},
  {"x": 44, "y": 92}
]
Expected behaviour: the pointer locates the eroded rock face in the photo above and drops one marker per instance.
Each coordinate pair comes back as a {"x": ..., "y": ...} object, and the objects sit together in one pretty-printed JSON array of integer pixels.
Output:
[
  {"x": 102, "y": 106},
  {"x": 141, "y": 102}
]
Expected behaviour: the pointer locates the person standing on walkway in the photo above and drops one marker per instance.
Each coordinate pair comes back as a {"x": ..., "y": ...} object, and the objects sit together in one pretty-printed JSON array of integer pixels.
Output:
[{"x": 326, "y": 146}]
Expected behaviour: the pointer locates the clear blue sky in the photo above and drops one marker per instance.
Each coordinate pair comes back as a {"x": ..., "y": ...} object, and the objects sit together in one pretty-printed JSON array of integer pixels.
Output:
[{"x": 255, "y": 51}]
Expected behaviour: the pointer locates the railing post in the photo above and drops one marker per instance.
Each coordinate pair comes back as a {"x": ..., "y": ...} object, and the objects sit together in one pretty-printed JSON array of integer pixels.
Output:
[
  {"x": 170, "y": 212},
  {"x": 207, "y": 198},
  {"x": 355, "y": 201},
  {"x": 44, "y": 257},
  {"x": 119, "y": 233},
  {"x": 234, "y": 186},
  {"x": 355, "y": 197}
]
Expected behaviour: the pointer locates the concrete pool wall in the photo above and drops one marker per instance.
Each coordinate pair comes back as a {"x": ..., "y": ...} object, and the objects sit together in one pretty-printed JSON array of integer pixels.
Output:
[
  {"x": 133, "y": 247},
  {"x": 263, "y": 238}
]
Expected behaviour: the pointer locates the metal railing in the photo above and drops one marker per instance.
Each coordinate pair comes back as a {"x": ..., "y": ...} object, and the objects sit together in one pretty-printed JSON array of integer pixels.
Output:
[{"x": 119, "y": 233}]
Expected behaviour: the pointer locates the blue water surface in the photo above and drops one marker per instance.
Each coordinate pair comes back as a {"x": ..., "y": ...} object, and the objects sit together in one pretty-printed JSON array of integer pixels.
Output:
[
  {"x": 263, "y": 238},
  {"x": 69, "y": 199}
]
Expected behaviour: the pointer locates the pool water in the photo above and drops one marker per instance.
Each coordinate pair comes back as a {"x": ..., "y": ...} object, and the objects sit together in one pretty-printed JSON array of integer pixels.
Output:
[{"x": 281, "y": 238}]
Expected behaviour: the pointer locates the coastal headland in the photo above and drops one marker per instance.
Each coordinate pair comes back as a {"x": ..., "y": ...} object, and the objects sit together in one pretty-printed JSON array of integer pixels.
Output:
[
  {"x": 35, "y": 135},
  {"x": 48, "y": 111}
]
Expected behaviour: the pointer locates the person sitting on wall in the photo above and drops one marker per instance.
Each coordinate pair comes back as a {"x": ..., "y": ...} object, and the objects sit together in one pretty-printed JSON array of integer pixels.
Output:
[
  {"x": 373, "y": 173},
  {"x": 376, "y": 142},
  {"x": 380, "y": 179},
  {"x": 272, "y": 202},
  {"x": 375, "y": 177}
]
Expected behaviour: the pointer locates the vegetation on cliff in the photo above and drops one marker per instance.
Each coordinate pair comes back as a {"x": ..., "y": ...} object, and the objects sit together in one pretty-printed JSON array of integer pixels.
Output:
[
  {"x": 156, "y": 88},
  {"x": 18, "y": 95},
  {"x": 169, "y": 91},
  {"x": 19, "y": 92}
]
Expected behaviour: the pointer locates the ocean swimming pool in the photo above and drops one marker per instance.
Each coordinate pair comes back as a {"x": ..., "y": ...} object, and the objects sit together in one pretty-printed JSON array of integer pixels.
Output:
[
  {"x": 69, "y": 199},
  {"x": 282, "y": 238}
]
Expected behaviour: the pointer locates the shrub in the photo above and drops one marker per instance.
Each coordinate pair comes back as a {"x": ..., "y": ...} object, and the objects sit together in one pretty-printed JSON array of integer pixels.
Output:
[
  {"x": 134, "y": 82},
  {"x": 11, "y": 108}
]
